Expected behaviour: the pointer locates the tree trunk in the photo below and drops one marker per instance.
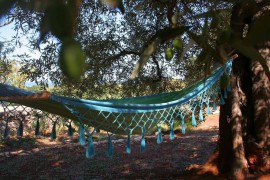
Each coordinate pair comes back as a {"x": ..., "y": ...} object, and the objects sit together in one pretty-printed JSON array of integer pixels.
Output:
[
  {"x": 237, "y": 121},
  {"x": 233, "y": 122},
  {"x": 245, "y": 118},
  {"x": 225, "y": 140}
]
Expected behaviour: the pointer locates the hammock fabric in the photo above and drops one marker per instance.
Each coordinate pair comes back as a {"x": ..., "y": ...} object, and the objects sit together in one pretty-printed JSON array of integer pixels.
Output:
[{"x": 130, "y": 115}]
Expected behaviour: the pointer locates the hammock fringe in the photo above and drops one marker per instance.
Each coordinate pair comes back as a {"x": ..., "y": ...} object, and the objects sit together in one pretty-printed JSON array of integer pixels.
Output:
[
  {"x": 37, "y": 132},
  {"x": 172, "y": 130},
  {"x": 90, "y": 151},
  {"x": 20, "y": 129},
  {"x": 81, "y": 134},
  {"x": 53, "y": 135},
  {"x": 128, "y": 148},
  {"x": 159, "y": 136},
  {"x": 110, "y": 146},
  {"x": 143, "y": 143}
]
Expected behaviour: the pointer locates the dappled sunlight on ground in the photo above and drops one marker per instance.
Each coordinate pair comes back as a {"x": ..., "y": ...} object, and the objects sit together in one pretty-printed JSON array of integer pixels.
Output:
[{"x": 65, "y": 159}]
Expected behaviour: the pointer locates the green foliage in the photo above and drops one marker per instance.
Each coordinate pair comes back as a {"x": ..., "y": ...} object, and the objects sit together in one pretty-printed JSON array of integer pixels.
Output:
[
  {"x": 113, "y": 43},
  {"x": 10, "y": 73},
  {"x": 5, "y": 70},
  {"x": 35, "y": 88}
]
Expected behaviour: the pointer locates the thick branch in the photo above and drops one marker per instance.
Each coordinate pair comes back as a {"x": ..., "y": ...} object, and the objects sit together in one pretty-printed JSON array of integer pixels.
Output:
[
  {"x": 159, "y": 73},
  {"x": 7, "y": 23},
  {"x": 170, "y": 12},
  {"x": 123, "y": 53},
  {"x": 242, "y": 14}
]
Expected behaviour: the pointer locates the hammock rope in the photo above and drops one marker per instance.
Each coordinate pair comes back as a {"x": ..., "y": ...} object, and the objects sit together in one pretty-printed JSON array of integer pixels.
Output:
[{"x": 125, "y": 116}]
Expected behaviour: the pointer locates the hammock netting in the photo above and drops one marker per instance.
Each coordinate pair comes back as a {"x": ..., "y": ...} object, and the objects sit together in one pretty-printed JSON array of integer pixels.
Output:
[{"x": 125, "y": 116}]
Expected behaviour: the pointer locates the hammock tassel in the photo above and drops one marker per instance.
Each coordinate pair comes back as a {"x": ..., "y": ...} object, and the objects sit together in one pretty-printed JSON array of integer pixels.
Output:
[
  {"x": 53, "y": 135},
  {"x": 214, "y": 105},
  {"x": 183, "y": 124},
  {"x": 229, "y": 88},
  {"x": 172, "y": 130},
  {"x": 200, "y": 115},
  {"x": 222, "y": 102},
  {"x": 37, "y": 132},
  {"x": 128, "y": 148},
  {"x": 193, "y": 120},
  {"x": 90, "y": 150},
  {"x": 143, "y": 144},
  {"x": 208, "y": 109},
  {"x": 110, "y": 146},
  {"x": 70, "y": 130},
  {"x": 159, "y": 136},
  {"x": 6, "y": 132},
  {"x": 81, "y": 133},
  {"x": 20, "y": 130},
  {"x": 225, "y": 93}
]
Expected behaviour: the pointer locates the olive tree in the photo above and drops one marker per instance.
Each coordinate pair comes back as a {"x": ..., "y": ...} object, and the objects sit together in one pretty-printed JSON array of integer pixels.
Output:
[{"x": 90, "y": 45}]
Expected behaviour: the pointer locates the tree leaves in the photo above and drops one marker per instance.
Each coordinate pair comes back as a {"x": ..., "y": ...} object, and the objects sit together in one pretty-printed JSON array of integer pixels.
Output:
[
  {"x": 161, "y": 37},
  {"x": 103, "y": 36}
]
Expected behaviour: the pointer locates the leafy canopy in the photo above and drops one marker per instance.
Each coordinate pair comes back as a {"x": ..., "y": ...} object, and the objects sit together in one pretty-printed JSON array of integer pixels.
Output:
[{"x": 117, "y": 40}]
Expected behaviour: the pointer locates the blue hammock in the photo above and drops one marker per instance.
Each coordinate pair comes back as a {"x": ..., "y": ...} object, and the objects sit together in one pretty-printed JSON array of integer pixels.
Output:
[{"x": 130, "y": 115}]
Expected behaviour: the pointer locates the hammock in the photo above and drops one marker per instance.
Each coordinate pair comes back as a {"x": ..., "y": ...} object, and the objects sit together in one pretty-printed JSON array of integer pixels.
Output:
[{"x": 130, "y": 115}]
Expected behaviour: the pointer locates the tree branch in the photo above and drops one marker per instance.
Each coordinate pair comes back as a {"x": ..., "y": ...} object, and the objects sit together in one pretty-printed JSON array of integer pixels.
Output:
[
  {"x": 159, "y": 72},
  {"x": 123, "y": 53},
  {"x": 7, "y": 23},
  {"x": 170, "y": 12}
]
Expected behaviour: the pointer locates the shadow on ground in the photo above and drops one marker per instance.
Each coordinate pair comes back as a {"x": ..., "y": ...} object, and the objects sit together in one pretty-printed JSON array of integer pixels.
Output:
[{"x": 67, "y": 161}]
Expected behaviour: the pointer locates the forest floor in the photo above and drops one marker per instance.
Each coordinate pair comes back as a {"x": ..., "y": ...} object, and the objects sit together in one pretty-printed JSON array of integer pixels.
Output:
[{"x": 40, "y": 158}]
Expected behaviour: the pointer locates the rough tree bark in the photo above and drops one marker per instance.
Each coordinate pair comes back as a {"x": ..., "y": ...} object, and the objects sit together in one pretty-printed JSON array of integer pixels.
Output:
[{"x": 245, "y": 118}]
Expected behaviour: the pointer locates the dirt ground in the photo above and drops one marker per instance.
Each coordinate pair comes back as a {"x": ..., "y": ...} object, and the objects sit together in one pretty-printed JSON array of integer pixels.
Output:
[{"x": 32, "y": 158}]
